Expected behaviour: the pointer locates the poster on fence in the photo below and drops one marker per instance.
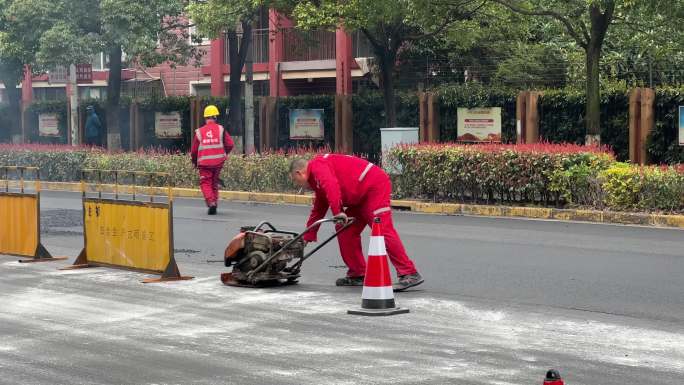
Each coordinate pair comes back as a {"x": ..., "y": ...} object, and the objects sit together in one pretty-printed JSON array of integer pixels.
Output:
[
  {"x": 479, "y": 124},
  {"x": 48, "y": 125},
  {"x": 167, "y": 125},
  {"x": 681, "y": 125},
  {"x": 306, "y": 124}
]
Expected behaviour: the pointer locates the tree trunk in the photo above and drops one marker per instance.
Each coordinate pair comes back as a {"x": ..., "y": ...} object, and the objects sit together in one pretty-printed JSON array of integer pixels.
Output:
[
  {"x": 593, "y": 106},
  {"x": 237, "y": 53},
  {"x": 234, "y": 85},
  {"x": 113, "y": 98},
  {"x": 386, "y": 63},
  {"x": 600, "y": 21}
]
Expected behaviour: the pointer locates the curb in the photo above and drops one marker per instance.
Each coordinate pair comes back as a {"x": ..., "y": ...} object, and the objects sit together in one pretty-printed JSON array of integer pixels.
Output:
[{"x": 594, "y": 216}]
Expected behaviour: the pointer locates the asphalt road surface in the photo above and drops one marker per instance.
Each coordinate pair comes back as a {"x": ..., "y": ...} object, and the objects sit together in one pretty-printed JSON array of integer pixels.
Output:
[{"x": 504, "y": 300}]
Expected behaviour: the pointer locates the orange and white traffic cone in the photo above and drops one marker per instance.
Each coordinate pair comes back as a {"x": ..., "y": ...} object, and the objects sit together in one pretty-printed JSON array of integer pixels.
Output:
[
  {"x": 377, "y": 298},
  {"x": 553, "y": 378}
]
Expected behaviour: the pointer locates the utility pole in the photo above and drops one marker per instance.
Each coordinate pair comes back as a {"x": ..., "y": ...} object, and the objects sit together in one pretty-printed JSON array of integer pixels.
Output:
[
  {"x": 249, "y": 99},
  {"x": 73, "y": 105}
]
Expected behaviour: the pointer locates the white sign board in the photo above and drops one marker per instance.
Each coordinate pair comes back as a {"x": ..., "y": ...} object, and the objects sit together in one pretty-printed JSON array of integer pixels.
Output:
[
  {"x": 167, "y": 125},
  {"x": 479, "y": 124},
  {"x": 306, "y": 124},
  {"x": 48, "y": 125},
  {"x": 681, "y": 125}
]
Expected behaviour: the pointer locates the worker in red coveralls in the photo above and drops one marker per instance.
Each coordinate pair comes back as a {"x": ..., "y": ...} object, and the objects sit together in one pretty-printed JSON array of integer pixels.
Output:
[
  {"x": 354, "y": 187},
  {"x": 211, "y": 145}
]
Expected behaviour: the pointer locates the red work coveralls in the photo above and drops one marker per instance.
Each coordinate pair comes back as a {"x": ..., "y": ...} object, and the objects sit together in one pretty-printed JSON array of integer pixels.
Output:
[
  {"x": 210, "y": 146},
  {"x": 362, "y": 190}
]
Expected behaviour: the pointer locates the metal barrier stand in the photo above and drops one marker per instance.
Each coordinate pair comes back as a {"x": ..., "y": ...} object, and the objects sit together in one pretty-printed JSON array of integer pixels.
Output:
[
  {"x": 23, "y": 212},
  {"x": 129, "y": 234}
]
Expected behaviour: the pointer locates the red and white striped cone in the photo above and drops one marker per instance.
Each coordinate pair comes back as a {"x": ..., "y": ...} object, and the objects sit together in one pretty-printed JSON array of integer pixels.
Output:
[{"x": 377, "y": 298}]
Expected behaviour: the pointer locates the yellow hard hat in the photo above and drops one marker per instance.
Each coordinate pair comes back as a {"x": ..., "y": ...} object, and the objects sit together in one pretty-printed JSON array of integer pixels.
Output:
[{"x": 210, "y": 111}]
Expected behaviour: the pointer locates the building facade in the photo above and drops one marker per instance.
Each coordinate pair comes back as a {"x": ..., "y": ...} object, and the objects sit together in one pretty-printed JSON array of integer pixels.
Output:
[{"x": 286, "y": 61}]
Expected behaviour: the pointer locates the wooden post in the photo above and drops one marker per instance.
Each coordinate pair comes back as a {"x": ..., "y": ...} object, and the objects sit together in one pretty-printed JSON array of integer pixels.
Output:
[
  {"x": 635, "y": 125},
  {"x": 268, "y": 139},
  {"x": 532, "y": 117},
  {"x": 422, "y": 117},
  {"x": 428, "y": 106},
  {"x": 647, "y": 121},
  {"x": 344, "y": 133},
  {"x": 433, "y": 118},
  {"x": 521, "y": 116}
]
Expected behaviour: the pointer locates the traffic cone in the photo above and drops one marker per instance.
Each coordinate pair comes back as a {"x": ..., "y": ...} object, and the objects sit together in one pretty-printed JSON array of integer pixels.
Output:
[
  {"x": 377, "y": 298},
  {"x": 553, "y": 378}
]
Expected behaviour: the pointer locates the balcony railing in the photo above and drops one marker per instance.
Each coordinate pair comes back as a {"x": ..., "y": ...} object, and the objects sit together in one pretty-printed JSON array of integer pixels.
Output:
[
  {"x": 308, "y": 45},
  {"x": 259, "y": 46},
  {"x": 360, "y": 45},
  {"x": 301, "y": 45}
]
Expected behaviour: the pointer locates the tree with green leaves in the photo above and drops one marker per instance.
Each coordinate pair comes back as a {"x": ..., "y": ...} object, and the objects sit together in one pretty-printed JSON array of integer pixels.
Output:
[
  {"x": 495, "y": 47},
  {"x": 588, "y": 23},
  {"x": 149, "y": 32},
  {"x": 22, "y": 23},
  {"x": 235, "y": 19},
  {"x": 61, "y": 32},
  {"x": 389, "y": 25}
]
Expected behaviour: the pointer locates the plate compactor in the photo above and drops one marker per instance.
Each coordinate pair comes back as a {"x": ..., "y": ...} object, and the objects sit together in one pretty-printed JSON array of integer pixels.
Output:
[{"x": 265, "y": 256}]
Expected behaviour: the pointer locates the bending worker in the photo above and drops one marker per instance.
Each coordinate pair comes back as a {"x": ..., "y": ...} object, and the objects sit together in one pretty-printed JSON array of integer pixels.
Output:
[
  {"x": 353, "y": 187},
  {"x": 211, "y": 145}
]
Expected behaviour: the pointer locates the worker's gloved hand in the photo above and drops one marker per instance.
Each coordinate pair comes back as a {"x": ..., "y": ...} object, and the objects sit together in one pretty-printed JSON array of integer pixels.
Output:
[{"x": 341, "y": 218}]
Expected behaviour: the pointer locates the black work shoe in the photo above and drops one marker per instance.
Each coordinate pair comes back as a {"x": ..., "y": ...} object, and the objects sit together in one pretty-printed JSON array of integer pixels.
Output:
[
  {"x": 212, "y": 210},
  {"x": 349, "y": 281},
  {"x": 408, "y": 280}
]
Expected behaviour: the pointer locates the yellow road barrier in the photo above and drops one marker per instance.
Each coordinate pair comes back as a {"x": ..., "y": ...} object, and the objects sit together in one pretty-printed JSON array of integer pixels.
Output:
[
  {"x": 128, "y": 233},
  {"x": 20, "y": 216}
]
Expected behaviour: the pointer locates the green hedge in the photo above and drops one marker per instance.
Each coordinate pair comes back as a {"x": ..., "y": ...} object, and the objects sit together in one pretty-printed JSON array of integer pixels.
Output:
[
  {"x": 262, "y": 173},
  {"x": 663, "y": 144},
  {"x": 542, "y": 174},
  {"x": 562, "y": 118},
  {"x": 5, "y": 128}
]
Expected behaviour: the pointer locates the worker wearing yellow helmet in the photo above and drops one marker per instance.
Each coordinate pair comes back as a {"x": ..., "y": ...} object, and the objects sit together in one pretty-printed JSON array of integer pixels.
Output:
[{"x": 211, "y": 145}]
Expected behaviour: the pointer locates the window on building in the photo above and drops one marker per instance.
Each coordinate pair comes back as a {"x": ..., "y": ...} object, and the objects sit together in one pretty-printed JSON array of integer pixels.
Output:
[
  {"x": 49, "y": 93},
  {"x": 201, "y": 89},
  {"x": 100, "y": 62},
  {"x": 92, "y": 92}
]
